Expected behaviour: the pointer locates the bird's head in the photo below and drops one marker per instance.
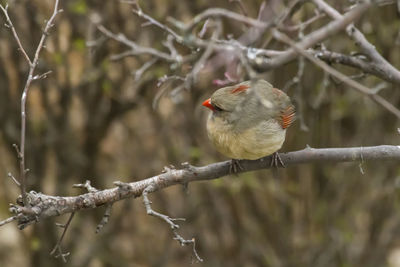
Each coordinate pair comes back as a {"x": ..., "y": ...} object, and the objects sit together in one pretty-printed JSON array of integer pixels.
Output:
[
  {"x": 248, "y": 103},
  {"x": 226, "y": 101}
]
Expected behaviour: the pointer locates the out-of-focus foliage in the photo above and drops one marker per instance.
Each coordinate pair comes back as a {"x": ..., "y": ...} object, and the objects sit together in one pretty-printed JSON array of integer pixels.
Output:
[{"x": 91, "y": 120}]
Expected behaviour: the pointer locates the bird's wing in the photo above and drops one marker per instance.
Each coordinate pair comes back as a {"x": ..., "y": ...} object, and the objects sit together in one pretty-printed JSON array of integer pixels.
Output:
[
  {"x": 287, "y": 116},
  {"x": 286, "y": 111}
]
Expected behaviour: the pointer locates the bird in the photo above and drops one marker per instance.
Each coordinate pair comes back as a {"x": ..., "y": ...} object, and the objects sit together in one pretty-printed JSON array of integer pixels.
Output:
[{"x": 249, "y": 121}]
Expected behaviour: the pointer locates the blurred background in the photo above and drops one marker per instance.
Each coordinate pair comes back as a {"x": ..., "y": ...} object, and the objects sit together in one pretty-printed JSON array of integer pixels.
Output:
[{"x": 91, "y": 118}]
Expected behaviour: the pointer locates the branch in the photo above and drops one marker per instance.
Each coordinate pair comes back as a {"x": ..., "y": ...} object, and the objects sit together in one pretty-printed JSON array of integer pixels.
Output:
[
  {"x": 14, "y": 32},
  {"x": 347, "y": 80},
  {"x": 57, "y": 247},
  {"x": 317, "y": 36},
  {"x": 170, "y": 221},
  {"x": 31, "y": 77},
  {"x": 135, "y": 48},
  {"x": 138, "y": 11},
  {"x": 44, "y": 206},
  {"x": 217, "y": 13},
  {"x": 367, "y": 48},
  {"x": 353, "y": 61}
]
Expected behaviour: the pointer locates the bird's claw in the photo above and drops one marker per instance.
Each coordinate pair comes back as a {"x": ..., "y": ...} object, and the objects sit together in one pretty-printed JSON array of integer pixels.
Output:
[
  {"x": 276, "y": 160},
  {"x": 235, "y": 166}
]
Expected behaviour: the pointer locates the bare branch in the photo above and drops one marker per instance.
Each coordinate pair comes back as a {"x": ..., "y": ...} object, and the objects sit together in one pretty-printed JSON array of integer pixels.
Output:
[
  {"x": 57, "y": 247},
  {"x": 135, "y": 48},
  {"x": 317, "y": 36},
  {"x": 139, "y": 72},
  {"x": 8, "y": 220},
  {"x": 14, "y": 179},
  {"x": 168, "y": 220},
  {"x": 31, "y": 77},
  {"x": 138, "y": 11},
  {"x": 360, "y": 40},
  {"x": 304, "y": 24},
  {"x": 218, "y": 13},
  {"x": 44, "y": 206},
  {"x": 11, "y": 26},
  {"x": 353, "y": 61},
  {"x": 105, "y": 218},
  {"x": 359, "y": 87}
]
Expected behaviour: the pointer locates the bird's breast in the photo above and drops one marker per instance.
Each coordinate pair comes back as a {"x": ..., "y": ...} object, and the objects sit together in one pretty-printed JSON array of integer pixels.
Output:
[{"x": 255, "y": 142}]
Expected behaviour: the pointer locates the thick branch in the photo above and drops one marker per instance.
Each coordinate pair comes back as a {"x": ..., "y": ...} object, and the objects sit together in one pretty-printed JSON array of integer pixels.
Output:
[{"x": 44, "y": 206}]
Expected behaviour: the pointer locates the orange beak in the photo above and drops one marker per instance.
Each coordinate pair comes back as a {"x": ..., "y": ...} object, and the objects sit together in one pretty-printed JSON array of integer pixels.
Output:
[{"x": 207, "y": 104}]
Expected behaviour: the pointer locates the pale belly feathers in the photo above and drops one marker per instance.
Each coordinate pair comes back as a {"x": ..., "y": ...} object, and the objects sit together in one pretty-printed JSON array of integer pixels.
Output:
[{"x": 259, "y": 141}]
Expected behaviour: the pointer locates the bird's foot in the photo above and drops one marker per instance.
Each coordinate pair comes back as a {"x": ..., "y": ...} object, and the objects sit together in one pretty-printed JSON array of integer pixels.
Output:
[
  {"x": 276, "y": 160},
  {"x": 235, "y": 166}
]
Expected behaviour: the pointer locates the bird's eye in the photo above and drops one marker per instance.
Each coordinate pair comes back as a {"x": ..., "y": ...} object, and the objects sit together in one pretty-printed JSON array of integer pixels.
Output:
[{"x": 216, "y": 108}]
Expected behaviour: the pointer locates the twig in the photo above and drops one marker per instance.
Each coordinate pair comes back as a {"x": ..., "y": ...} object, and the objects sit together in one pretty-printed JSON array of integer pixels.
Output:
[
  {"x": 87, "y": 186},
  {"x": 11, "y": 26},
  {"x": 192, "y": 76},
  {"x": 57, "y": 247},
  {"x": 218, "y": 13},
  {"x": 240, "y": 4},
  {"x": 135, "y": 48},
  {"x": 321, "y": 94},
  {"x": 168, "y": 220},
  {"x": 138, "y": 11},
  {"x": 32, "y": 65},
  {"x": 164, "y": 82},
  {"x": 14, "y": 179},
  {"x": 8, "y": 220},
  {"x": 139, "y": 72},
  {"x": 105, "y": 218},
  {"x": 304, "y": 24}
]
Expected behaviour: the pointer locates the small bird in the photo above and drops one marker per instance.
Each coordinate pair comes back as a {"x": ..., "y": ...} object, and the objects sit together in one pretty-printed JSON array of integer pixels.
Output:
[{"x": 249, "y": 121}]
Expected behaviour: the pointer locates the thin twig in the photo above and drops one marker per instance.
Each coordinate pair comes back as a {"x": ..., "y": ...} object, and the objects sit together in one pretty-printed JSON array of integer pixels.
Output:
[
  {"x": 11, "y": 26},
  {"x": 138, "y": 11},
  {"x": 105, "y": 218},
  {"x": 57, "y": 247},
  {"x": 139, "y": 72},
  {"x": 8, "y": 220},
  {"x": 31, "y": 77},
  {"x": 87, "y": 185},
  {"x": 168, "y": 220},
  {"x": 135, "y": 48},
  {"x": 14, "y": 179},
  {"x": 218, "y": 13},
  {"x": 304, "y": 24}
]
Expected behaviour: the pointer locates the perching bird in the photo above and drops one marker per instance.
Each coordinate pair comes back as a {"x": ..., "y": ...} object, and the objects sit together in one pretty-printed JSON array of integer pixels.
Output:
[{"x": 249, "y": 120}]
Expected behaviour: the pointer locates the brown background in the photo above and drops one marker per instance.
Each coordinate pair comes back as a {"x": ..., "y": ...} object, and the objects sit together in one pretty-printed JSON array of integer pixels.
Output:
[{"x": 90, "y": 119}]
